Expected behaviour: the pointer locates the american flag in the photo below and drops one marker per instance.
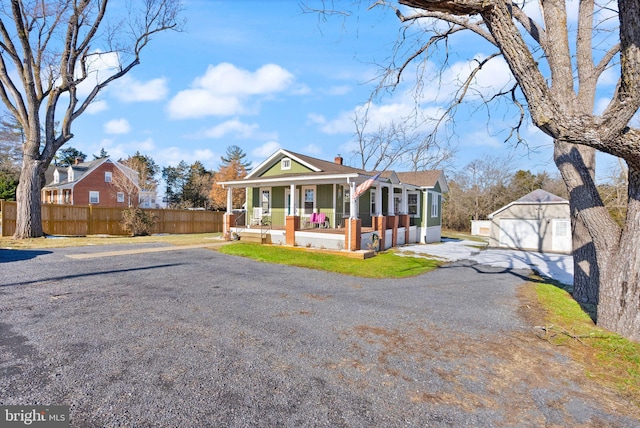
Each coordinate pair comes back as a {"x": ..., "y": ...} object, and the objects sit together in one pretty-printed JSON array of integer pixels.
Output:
[{"x": 365, "y": 186}]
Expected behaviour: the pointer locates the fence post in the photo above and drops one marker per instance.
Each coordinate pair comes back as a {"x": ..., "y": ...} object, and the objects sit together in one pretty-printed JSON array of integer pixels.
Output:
[
  {"x": 90, "y": 220},
  {"x": 2, "y": 217}
]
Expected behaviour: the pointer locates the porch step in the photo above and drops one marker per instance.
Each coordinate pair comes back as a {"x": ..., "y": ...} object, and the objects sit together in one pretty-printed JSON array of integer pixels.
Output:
[{"x": 251, "y": 237}]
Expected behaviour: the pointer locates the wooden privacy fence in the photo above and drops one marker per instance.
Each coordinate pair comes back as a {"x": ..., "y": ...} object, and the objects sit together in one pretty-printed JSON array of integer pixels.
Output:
[{"x": 81, "y": 220}]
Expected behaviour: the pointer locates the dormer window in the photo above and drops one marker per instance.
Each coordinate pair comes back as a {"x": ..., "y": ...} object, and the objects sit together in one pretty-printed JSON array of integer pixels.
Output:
[
  {"x": 56, "y": 177},
  {"x": 70, "y": 176},
  {"x": 285, "y": 164}
]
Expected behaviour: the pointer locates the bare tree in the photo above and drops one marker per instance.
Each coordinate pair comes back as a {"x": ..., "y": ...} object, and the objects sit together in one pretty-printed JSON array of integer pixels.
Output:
[
  {"x": 49, "y": 50},
  {"x": 126, "y": 181},
  {"x": 557, "y": 66},
  {"x": 398, "y": 143}
]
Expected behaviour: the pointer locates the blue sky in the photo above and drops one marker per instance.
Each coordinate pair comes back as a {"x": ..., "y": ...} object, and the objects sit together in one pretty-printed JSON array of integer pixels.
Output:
[{"x": 262, "y": 75}]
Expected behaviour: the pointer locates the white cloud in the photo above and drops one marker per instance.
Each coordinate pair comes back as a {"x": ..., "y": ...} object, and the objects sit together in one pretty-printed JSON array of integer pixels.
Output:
[
  {"x": 117, "y": 126},
  {"x": 96, "y": 107},
  {"x": 235, "y": 126},
  {"x": 265, "y": 150},
  {"x": 340, "y": 90},
  {"x": 494, "y": 76},
  {"x": 225, "y": 90},
  {"x": 171, "y": 156},
  {"x": 129, "y": 90},
  {"x": 316, "y": 119},
  {"x": 100, "y": 66},
  {"x": 312, "y": 149}
]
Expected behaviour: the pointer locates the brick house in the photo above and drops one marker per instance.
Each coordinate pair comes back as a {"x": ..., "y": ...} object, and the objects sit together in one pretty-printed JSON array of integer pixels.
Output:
[{"x": 103, "y": 182}]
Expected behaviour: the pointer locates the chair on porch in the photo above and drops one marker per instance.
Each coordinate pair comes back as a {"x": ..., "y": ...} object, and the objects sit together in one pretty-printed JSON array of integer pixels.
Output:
[
  {"x": 313, "y": 220},
  {"x": 323, "y": 221}
]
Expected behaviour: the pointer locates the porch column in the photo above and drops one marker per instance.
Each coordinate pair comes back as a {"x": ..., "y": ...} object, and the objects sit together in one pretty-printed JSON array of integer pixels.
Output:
[
  {"x": 393, "y": 219},
  {"x": 404, "y": 203},
  {"x": 292, "y": 200},
  {"x": 406, "y": 222},
  {"x": 229, "y": 200},
  {"x": 380, "y": 227},
  {"x": 353, "y": 206},
  {"x": 292, "y": 223},
  {"x": 229, "y": 216},
  {"x": 378, "y": 197},
  {"x": 353, "y": 234}
]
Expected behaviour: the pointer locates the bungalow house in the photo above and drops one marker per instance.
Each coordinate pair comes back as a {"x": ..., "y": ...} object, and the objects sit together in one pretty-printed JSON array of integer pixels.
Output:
[
  {"x": 101, "y": 182},
  {"x": 295, "y": 199}
]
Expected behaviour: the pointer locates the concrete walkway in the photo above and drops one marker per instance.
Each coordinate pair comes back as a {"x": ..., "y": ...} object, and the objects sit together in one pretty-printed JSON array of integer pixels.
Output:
[{"x": 555, "y": 266}]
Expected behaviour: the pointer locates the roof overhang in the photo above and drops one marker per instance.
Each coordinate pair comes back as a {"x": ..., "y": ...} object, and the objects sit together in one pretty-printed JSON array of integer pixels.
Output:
[
  {"x": 490, "y": 216},
  {"x": 298, "y": 180}
]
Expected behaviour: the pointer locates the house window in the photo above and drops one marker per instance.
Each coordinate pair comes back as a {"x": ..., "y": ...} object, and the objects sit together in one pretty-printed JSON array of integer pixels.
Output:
[
  {"x": 94, "y": 197},
  {"x": 56, "y": 177},
  {"x": 434, "y": 205},
  {"x": 373, "y": 202},
  {"x": 265, "y": 200},
  {"x": 413, "y": 202},
  {"x": 107, "y": 176},
  {"x": 563, "y": 228},
  {"x": 120, "y": 197},
  {"x": 285, "y": 163},
  {"x": 309, "y": 199},
  {"x": 70, "y": 176}
]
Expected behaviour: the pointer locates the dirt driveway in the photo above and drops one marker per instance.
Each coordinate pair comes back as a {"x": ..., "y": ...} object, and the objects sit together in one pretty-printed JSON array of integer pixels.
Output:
[{"x": 196, "y": 338}]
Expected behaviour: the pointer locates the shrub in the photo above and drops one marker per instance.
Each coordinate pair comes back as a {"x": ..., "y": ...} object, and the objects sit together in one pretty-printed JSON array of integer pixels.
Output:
[{"x": 137, "y": 222}]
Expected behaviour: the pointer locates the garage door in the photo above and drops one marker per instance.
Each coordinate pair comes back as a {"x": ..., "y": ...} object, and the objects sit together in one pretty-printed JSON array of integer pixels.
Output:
[{"x": 523, "y": 234}]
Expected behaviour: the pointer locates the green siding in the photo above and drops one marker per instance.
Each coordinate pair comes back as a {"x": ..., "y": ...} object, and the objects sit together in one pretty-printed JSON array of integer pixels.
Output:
[
  {"x": 437, "y": 187},
  {"x": 277, "y": 206},
  {"x": 276, "y": 169},
  {"x": 434, "y": 221}
]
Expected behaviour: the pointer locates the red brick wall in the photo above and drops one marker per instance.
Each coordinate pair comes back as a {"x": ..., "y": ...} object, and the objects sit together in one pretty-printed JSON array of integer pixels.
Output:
[{"x": 94, "y": 181}]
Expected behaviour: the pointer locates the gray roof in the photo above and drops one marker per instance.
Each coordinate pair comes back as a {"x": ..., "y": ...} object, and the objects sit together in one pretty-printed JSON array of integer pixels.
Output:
[{"x": 538, "y": 196}]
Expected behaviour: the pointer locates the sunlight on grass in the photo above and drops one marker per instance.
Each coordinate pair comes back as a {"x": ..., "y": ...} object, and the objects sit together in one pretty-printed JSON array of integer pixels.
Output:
[
  {"x": 606, "y": 356},
  {"x": 383, "y": 265},
  {"x": 63, "y": 242}
]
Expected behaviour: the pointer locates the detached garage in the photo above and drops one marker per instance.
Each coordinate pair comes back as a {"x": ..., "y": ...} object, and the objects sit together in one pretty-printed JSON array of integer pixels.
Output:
[{"x": 539, "y": 221}]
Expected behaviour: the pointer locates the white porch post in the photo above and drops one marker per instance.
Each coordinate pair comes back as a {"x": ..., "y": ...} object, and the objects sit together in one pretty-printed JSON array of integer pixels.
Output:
[
  {"x": 353, "y": 207},
  {"x": 292, "y": 199},
  {"x": 378, "y": 200},
  {"x": 229, "y": 200},
  {"x": 392, "y": 208},
  {"x": 404, "y": 206}
]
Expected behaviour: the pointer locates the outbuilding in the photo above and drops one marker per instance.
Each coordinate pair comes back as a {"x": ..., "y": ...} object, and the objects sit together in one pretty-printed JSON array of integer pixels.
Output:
[{"x": 539, "y": 221}]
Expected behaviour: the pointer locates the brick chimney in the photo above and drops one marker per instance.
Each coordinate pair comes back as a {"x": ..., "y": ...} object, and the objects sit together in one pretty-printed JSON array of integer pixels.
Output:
[
  {"x": 338, "y": 159},
  {"x": 79, "y": 159}
]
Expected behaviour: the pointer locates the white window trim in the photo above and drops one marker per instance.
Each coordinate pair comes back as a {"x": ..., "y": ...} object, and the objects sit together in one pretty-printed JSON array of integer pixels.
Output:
[
  {"x": 56, "y": 177},
  {"x": 285, "y": 164},
  {"x": 372, "y": 202},
  {"x": 120, "y": 197},
  {"x": 70, "y": 174},
  {"x": 303, "y": 199},
  {"x": 108, "y": 176},
  {"x": 268, "y": 189},
  {"x": 435, "y": 211},
  {"x": 417, "y": 213},
  {"x": 96, "y": 194}
]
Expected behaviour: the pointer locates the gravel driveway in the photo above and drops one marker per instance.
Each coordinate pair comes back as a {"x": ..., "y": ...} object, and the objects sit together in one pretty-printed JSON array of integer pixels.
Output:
[{"x": 195, "y": 338}]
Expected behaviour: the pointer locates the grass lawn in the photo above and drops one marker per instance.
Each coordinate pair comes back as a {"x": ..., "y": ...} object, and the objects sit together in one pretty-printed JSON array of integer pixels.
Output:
[
  {"x": 607, "y": 357},
  {"x": 383, "y": 265},
  {"x": 60, "y": 242}
]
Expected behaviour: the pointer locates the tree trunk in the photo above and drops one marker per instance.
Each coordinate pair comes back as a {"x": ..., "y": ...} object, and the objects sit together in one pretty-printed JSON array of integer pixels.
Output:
[
  {"x": 589, "y": 245},
  {"x": 28, "y": 197},
  {"x": 620, "y": 298}
]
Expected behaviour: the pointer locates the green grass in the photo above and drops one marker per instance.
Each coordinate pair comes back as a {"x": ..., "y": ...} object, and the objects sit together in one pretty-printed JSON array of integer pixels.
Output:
[
  {"x": 607, "y": 357},
  {"x": 383, "y": 265},
  {"x": 61, "y": 242}
]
